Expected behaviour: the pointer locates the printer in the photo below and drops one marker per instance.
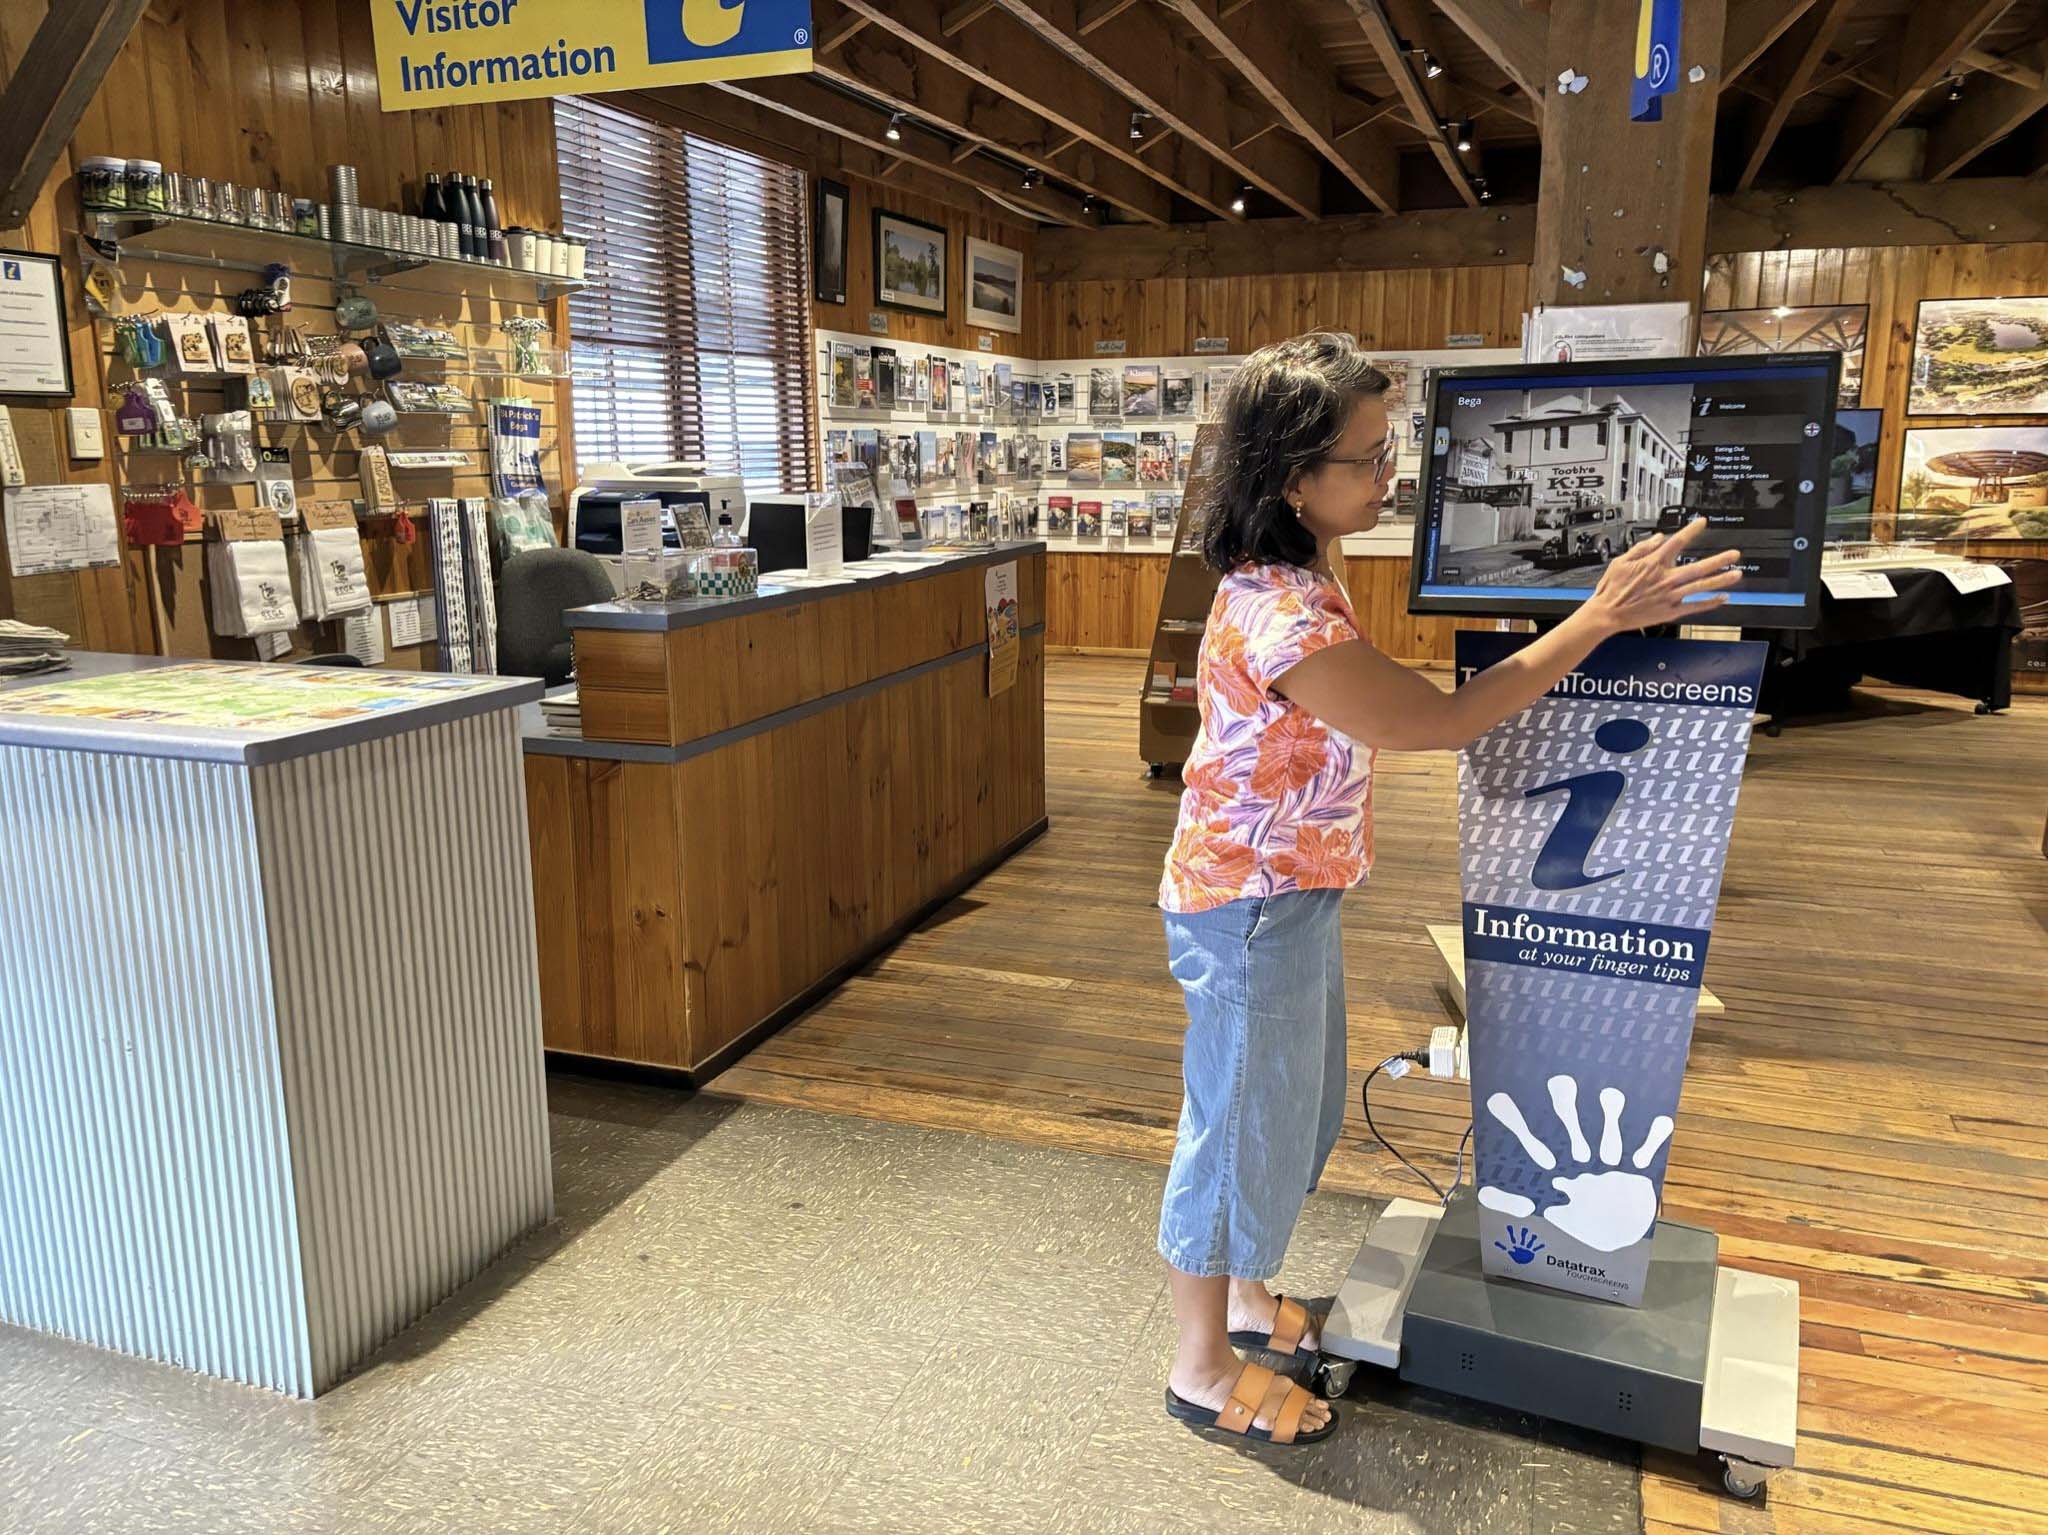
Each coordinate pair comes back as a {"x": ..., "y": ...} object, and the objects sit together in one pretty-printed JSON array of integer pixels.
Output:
[{"x": 594, "y": 519}]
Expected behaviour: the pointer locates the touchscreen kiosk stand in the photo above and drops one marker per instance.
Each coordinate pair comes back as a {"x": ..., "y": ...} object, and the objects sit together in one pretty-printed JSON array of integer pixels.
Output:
[{"x": 1593, "y": 831}]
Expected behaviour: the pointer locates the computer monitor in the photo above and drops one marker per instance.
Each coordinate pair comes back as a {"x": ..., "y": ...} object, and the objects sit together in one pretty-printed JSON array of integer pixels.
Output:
[
  {"x": 1536, "y": 475},
  {"x": 775, "y": 532},
  {"x": 1852, "y": 475}
]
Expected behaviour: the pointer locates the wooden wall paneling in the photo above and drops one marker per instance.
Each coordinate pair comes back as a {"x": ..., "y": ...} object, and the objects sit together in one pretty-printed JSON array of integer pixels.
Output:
[{"x": 1103, "y": 601}]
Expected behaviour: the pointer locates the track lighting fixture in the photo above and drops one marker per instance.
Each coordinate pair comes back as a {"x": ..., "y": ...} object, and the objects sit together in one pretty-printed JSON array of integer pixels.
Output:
[
  {"x": 894, "y": 132},
  {"x": 1458, "y": 132},
  {"x": 1139, "y": 118},
  {"x": 1955, "y": 88},
  {"x": 1430, "y": 68},
  {"x": 1032, "y": 178},
  {"x": 1237, "y": 202},
  {"x": 1480, "y": 188}
]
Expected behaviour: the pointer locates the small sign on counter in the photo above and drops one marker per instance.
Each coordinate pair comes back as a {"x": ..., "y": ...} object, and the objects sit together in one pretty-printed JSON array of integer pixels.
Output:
[
  {"x": 1848, "y": 585},
  {"x": 1000, "y": 587},
  {"x": 1975, "y": 578}
]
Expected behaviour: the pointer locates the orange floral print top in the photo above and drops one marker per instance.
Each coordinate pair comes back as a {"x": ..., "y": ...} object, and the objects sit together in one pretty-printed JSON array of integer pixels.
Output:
[{"x": 1275, "y": 799}]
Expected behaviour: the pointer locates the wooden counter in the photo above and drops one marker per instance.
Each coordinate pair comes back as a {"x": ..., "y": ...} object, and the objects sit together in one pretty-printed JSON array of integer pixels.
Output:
[{"x": 772, "y": 792}]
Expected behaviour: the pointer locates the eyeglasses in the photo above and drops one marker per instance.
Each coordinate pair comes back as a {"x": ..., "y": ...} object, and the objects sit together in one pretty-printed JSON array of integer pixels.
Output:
[{"x": 1379, "y": 462}]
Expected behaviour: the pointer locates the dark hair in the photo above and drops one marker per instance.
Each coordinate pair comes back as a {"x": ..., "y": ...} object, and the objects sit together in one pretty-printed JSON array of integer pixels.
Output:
[{"x": 1282, "y": 413}]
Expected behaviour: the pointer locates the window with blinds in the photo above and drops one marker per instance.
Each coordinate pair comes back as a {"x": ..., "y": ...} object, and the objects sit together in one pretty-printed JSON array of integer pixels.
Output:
[{"x": 691, "y": 340}]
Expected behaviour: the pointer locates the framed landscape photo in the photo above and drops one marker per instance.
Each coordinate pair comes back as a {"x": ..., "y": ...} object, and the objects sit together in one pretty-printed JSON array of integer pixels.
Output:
[
  {"x": 828, "y": 242},
  {"x": 1980, "y": 357},
  {"x": 910, "y": 264},
  {"x": 1818, "y": 328},
  {"x": 995, "y": 286},
  {"x": 1975, "y": 482}
]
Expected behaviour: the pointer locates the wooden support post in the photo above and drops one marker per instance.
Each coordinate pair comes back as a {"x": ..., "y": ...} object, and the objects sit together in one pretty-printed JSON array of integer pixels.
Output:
[
  {"x": 60, "y": 71},
  {"x": 1615, "y": 192}
]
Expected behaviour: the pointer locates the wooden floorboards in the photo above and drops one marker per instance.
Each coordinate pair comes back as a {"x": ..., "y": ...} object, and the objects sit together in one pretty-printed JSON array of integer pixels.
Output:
[{"x": 1870, "y": 1117}]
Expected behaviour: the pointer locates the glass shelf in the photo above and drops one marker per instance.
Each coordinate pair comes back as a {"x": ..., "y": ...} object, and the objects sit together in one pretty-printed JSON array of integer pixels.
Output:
[{"x": 239, "y": 247}]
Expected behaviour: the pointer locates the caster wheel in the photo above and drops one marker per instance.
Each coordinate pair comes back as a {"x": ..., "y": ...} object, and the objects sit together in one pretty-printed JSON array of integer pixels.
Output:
[
  {"x": 1744, "y": 1482},
  {"x": 1983, "y": 708},
  {"x": 1332, "y": 1378}
]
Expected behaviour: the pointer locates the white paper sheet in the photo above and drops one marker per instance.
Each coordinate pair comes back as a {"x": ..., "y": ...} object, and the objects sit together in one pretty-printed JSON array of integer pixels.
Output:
[
  {"x": 1847, "y": 585},
  {"x": 60, "y": 527},
  {"x": 1975, "y": 578},
  {"x": 362, "y": 636}
]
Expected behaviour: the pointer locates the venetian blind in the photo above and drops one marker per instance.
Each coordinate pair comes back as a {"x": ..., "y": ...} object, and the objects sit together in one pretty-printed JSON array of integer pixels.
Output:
[{"x": 691, "y": 340}]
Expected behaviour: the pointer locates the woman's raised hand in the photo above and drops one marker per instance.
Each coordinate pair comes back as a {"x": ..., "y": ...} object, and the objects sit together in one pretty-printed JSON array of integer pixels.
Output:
[{"x": 1648, "y": 586}]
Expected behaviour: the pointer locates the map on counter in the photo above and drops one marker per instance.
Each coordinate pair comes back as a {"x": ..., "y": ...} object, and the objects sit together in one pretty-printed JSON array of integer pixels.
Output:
[{"x": 256, "y": 700}]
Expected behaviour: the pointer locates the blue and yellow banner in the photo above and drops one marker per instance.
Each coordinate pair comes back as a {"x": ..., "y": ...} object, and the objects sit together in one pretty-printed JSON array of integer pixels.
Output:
[
  {"x": 1658, "y": 24},
  {"x": 435, "y": 53}
]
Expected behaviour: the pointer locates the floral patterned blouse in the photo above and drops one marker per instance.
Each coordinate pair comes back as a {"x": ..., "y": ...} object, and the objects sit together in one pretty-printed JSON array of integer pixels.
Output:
[{"x": 1275, "y": 799}]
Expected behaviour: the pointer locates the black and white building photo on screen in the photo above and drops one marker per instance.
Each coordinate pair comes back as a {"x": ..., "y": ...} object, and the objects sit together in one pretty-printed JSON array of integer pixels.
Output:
[{"x": 1544, "y": 486}]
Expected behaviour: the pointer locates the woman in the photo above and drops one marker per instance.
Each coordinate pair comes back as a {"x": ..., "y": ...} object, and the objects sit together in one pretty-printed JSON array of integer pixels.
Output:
[{"x": 1276, "y": 823}]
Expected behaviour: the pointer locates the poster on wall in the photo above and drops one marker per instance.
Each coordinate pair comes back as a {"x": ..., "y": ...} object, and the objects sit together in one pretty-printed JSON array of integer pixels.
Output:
[
  {"x": 910, "y": 263},
  {"x": 1980, "y": 357},
  {"x": 1975, "y": 482},
  {"x": 1820, "y": 328},
  {"x": 35, "y": 354},
  {"x": 995, "y": 286},
  {"x": 1587, "y": 910},
  {"x": 1607, "y": 332}
]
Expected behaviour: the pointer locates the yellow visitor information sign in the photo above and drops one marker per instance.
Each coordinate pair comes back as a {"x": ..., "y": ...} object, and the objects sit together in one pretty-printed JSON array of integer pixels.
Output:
[{"x": 433, "y": 53}]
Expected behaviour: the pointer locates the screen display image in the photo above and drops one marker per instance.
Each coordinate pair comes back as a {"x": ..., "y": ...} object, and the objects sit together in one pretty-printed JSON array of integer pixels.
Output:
[
  {"x": 1536, "y": 476},
  {"x": 1852, "y": 475}
]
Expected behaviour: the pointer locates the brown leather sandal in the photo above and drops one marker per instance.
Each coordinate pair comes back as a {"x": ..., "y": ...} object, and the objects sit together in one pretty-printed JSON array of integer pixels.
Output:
[
  {"x": 1289, "y": 1323},
  {"x": 1259, "y": 1392}
]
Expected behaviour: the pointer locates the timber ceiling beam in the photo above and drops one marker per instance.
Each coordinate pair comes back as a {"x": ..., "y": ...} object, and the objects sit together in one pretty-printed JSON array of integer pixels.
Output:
[
  {"x": 1753, "y": 26},
  {"x": 59, "y": 73},
  {"x": 809, "y": 102},
  {"x": 885, "y": 68},
  {"x": 1429, "y": 102},
  {"x": 2004, "y": 68},
  {"x": 1963, "y": 211},
  {"x": 1141, "y": 56},
  {"x": 1514, "y": 36},
  {"x": 1936, "y": 33},
  {"x": 778, "y": 136},
  {"x": 1006, "y": 58},
  {"x": 1268, "y": 47},
  {"x": 1990, "y": 109},
  {"x": 1785, "y": 77}
]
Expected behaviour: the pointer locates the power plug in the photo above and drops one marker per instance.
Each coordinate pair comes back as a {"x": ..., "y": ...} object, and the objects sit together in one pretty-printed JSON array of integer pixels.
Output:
[{"x": 1448, "y": 1059}]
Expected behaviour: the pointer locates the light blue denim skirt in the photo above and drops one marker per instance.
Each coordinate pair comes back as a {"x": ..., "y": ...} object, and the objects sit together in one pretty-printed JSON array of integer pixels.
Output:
[{"x": 1263, "y": 1067}]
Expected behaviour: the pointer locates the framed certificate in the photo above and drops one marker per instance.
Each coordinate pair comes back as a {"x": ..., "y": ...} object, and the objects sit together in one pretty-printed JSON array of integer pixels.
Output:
[{"x": 35, "y": 357}]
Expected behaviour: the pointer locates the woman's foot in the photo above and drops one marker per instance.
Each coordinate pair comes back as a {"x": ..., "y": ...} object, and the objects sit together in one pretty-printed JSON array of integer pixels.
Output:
[
  {"x": 1253, "y": 1308},
  {"x": 1210, "y": 1386}
]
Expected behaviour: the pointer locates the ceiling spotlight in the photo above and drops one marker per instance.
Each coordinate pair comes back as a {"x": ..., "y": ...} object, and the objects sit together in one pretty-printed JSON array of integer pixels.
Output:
[
  {"x": 1782, "y": 312},
  {"x": 1459, "y": 133},
  {"x": 1955, "y": 89},
  {"x": 1430, "y": 68},
  {"x": 1032, "y": 178},
  {"x": 1138, "y": 120},
  {"x": 1237, "y": 202},
  {"x": 1087, "y": 202},
  {"x": 894, "y": 132},
  {"x": 1465, "y": 136},
  {"x": 1479, "y": 186}
]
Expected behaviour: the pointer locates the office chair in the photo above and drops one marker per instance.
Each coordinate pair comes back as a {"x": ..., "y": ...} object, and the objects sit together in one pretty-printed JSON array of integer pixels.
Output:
[{"x": 537, "y": 588}]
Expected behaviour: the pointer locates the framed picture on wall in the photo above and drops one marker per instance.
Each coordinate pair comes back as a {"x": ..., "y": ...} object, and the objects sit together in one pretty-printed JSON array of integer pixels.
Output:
[
  {"x": 829, "y": 206},
  {"x": 1975, "y": 482},
  {"x": 910, "y": 264},
  {"x": 1819, "y": 328},
  {"x": 36, "y": 357},
  {"x": 1980, "y": 357},
  {"x": 995, "y": 286}
]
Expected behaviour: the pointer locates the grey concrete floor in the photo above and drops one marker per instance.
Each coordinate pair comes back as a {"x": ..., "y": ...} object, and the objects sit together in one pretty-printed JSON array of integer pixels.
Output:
[{"x": 759, "y": 1319}]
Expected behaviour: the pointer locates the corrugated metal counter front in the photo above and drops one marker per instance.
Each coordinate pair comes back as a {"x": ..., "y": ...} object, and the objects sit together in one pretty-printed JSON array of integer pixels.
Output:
[{"x": 270, "y": 1055}]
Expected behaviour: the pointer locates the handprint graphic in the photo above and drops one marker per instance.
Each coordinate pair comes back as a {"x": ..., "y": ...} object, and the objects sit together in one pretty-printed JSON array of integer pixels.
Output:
[{"x": 1607, "y": 1211}]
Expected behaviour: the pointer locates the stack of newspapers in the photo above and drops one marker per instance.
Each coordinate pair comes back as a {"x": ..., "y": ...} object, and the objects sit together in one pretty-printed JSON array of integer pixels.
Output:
[{"x": 26, "y": 648}]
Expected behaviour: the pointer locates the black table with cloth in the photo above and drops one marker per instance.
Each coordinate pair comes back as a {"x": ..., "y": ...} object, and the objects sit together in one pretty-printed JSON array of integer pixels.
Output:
[{"x": 1929, "y": 636}]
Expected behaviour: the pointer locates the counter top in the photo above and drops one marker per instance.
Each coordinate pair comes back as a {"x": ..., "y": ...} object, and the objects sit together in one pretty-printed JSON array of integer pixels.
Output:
[
  {"x": 243, "y": 712},
  {"x": 691, "y": 611}
]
